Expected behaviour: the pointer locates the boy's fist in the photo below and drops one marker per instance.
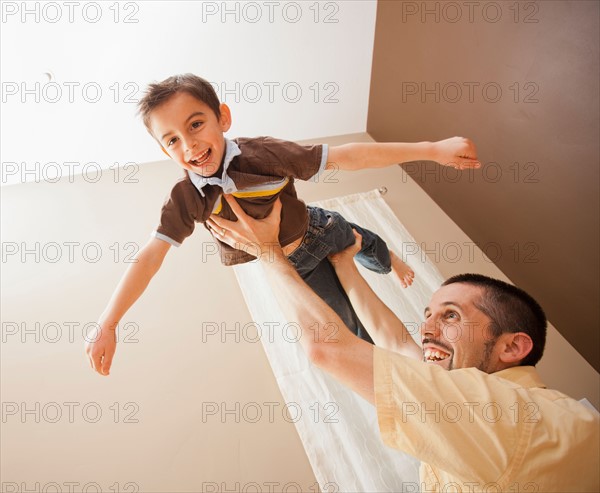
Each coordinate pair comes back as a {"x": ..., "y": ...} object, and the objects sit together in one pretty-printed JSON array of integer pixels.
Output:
[{"x": 458, "y": 152}]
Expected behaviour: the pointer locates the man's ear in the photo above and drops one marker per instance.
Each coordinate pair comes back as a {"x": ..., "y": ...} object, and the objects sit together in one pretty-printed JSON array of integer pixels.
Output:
[
  {"x": 225, "y": 119},
  {"x": 514, "y": 348}
]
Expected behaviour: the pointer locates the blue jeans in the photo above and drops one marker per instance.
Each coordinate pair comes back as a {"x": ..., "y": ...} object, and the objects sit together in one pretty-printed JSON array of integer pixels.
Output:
[{"x": 327, "y": 233}]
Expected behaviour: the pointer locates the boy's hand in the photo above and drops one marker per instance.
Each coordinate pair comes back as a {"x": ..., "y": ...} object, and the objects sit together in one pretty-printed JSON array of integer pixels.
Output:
[
  {"x": 101, "y": 350},
  {"x": 342, "y": 258},
  {"x": 458, "y": 152},
  {"x": 254, "y": 236}
]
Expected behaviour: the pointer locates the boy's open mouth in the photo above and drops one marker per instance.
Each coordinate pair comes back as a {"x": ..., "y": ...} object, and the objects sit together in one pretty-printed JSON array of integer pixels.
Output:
[
  {"x": 202, "y": 158},
  {"x": 431, "y": 355}
]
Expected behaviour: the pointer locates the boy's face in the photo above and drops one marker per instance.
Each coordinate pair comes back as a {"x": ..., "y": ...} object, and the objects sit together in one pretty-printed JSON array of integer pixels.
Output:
[{"x": 190, "y": 132}]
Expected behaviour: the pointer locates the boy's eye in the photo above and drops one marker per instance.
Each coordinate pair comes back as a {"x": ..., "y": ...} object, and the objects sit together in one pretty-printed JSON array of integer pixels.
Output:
[
  {"x": 196, "y": 124},
  {"x": 172, "y": 141}
]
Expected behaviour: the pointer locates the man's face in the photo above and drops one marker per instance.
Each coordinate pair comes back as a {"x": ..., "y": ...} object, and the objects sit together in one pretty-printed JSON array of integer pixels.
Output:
[
  {"x": 191, "y": 133},
  {"x": 455, "y": 333}
]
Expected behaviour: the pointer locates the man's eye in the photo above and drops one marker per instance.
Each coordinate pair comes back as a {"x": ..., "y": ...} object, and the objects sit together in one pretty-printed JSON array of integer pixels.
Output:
[{"x": 453, "y": 315}]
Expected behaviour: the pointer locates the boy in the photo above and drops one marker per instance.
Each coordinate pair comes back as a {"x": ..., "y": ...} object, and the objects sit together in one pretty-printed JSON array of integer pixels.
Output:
[{"x": 184, "y": 115}]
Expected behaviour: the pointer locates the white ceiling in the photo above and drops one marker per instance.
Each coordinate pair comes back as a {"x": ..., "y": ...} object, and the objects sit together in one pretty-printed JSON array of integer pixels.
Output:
[{"x": 293, "y": 45}]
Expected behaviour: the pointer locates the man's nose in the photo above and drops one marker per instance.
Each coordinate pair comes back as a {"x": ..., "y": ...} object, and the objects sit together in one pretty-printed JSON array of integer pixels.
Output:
[{"x": 431, "y": 327}]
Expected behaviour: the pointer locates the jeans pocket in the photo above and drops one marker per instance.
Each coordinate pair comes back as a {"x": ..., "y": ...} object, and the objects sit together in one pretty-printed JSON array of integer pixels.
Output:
[
  {"x": 332, "y": 220},
  {"x": 308, "y": 255}
]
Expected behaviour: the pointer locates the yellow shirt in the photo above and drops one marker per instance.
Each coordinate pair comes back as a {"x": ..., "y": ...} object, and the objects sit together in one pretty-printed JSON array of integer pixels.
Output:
[{"x": 475, "y": 431}]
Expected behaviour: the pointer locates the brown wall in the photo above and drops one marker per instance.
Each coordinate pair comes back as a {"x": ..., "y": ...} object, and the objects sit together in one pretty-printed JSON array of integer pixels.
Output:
[{"x": 534, "y": 208}]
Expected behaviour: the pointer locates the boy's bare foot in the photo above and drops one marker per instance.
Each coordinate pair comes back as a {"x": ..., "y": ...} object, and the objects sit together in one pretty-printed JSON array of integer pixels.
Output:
[{"x": 405, "y": 274}]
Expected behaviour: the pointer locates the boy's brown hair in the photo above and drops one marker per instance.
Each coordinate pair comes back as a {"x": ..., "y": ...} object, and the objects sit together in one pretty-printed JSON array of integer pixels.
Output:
[{"x": 159, "y": 92}]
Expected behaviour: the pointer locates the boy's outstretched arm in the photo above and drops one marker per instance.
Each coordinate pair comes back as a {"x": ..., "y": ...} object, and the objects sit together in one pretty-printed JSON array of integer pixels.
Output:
[
  {"x": 384, "y": 327},
  {"x": 457, "y": 152},
  {"x": 133, "y": 283}
]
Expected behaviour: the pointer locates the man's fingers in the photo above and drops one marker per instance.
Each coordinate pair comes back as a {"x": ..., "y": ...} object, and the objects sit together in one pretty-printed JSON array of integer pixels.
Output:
[
  {"x": 232, "y": 238},
  {"x": 217, "y": 233},
  {"x": 274, "y": 216},
  {"x": 224, "y": 230},
  {"x": 212, "y": 224},
  {"x": 235, "y": 207},
  {"x": 277, "y": 208},
  {"x": 224, "y": 236},
  {"x": 240, "y": 214},
  {"x": 218, "y": 223}
]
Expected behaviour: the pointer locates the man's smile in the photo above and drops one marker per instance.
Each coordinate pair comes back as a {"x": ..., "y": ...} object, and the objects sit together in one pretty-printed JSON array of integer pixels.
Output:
[{"x": 432, "y": 354}]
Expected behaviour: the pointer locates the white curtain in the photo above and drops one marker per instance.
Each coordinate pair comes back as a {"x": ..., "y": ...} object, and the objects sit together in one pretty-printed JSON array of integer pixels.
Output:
[{"x": 338, "y": 428}]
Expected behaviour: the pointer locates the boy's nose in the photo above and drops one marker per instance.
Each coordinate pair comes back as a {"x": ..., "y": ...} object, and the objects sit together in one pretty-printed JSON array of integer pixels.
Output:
[{"x": 189, "y": 145}]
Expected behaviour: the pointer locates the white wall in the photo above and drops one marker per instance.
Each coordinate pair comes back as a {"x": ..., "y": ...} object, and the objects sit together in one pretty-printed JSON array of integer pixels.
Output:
[{"x": 301, "y": 70}]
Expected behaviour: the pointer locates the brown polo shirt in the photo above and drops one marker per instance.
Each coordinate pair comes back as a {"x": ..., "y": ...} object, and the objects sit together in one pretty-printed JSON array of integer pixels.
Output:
[{"x": 256, "y": 171}]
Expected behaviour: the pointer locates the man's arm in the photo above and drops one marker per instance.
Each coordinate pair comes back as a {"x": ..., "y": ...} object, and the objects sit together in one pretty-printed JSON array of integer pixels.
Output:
[
  {"x": 130, "y": 288},
  {"x": 386, "y": 329},
  {"x": 328, "y": 343},
  {"x": 458, "y": 152}
]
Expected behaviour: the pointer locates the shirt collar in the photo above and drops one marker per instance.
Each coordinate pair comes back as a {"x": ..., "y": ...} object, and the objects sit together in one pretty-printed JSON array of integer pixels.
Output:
[
  {"x": 224, "y": 181},
  {"x": 525, "y": 376}
]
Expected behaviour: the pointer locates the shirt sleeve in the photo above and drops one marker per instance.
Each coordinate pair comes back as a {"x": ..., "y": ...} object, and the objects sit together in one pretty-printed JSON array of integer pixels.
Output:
[
  {"x": 460, "y": 421},
  {"x": 179, "y": 214},
  {"x": 303, "y": 162}
]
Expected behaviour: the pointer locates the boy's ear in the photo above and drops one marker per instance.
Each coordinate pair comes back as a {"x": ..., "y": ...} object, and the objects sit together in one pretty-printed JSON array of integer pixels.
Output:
[{"x": 225, "y": 119}]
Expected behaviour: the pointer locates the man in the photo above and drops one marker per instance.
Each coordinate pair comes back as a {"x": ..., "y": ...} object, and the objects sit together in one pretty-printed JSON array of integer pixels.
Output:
[{"x": 489, "y": 424}]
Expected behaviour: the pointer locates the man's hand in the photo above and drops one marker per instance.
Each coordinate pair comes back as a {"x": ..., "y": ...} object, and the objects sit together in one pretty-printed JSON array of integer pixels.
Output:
[
  {"x": 101, "y": 350},
  {"x": 257, "y": 237},
  {"x": 458, "y": 152}
]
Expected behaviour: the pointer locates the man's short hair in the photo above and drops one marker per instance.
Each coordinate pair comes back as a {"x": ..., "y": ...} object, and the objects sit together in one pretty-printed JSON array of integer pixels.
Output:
[
  {"x": 159, "y": 92},
  {"x": 510, "y": 309}
]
